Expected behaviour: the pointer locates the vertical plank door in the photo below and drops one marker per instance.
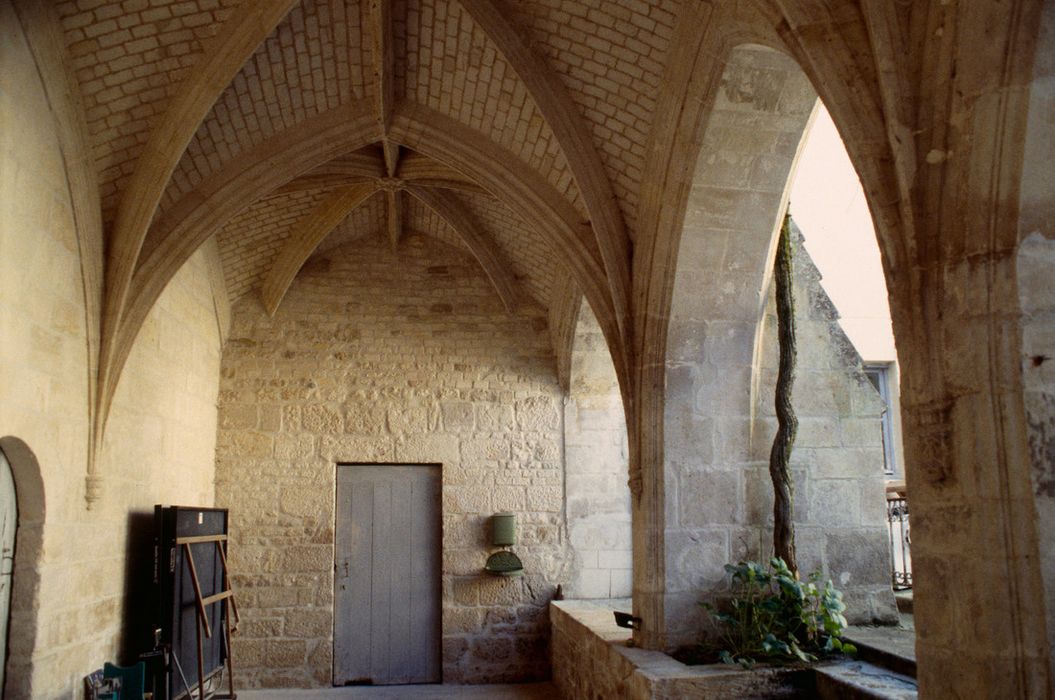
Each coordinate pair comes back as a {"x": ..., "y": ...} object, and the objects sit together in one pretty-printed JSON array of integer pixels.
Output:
[{"x": 387, "y": 575}]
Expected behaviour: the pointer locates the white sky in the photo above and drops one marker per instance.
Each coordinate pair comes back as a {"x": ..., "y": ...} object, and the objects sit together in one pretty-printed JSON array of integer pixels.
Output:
[{"x": 828, "y": 205}]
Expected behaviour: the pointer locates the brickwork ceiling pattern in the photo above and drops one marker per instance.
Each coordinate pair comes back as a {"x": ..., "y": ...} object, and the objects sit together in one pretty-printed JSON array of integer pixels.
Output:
[
  {"x": 128, "y": 58},
  {"x": 514, "y": 131},
  {"x": 135, "y": 59}
]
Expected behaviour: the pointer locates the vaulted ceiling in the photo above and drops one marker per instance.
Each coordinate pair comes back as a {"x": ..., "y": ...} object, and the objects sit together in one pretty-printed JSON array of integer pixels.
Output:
[
  {"x": 176, "y": 91},
  {"x": 553, "y": 140},
  {"x": 516, "y": 131}
]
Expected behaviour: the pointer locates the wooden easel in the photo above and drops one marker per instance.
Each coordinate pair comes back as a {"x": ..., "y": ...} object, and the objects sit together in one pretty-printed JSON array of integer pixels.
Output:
[{"x": 203, "y": 621}]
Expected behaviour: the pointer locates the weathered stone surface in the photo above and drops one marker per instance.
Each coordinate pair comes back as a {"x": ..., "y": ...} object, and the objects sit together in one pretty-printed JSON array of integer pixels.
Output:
[
  {"x": 717, "y": 484},
  {"x": 345, "y": 448},
  {"x": 321, "y": 420},
  {"x": 116, "y": 113},
  {"x": 406, "y": 420},
  {"x": 710, "y": 498},
  {"x": 596, "y": 497},
  {"x": 497, "y": 453},
  {"x": 494, "y": 417},
  {"x": 479, "y": 450},
  {"x": 858, "y": 557},
  {"x": 427, "y": 448},
  {"x": 537, "y": 414},
  {"x": 294, "y": 446},
  {"x": 280, "y": 653},
  {"x": 458, "y": 416},
  {"x": 592, "y": 658}
]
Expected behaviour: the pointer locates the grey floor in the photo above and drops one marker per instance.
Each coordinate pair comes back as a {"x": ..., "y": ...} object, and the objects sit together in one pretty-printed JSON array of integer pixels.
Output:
[{"x": 528, "y": 691}]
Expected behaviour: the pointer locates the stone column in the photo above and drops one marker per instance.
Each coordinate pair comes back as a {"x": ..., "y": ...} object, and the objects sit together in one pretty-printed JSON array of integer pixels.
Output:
[{"x": 979, "y": 597}]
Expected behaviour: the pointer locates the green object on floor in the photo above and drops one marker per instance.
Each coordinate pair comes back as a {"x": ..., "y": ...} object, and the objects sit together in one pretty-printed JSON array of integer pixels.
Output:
[{"x": 132, "y": 678}]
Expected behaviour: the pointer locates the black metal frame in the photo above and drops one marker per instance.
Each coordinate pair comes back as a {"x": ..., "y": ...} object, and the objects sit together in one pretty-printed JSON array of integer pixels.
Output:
[{"x": 897, "y": 514}]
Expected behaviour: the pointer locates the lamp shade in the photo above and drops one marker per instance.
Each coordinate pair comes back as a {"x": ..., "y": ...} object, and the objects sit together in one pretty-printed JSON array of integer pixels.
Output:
[{"x": 504, "y": 529}]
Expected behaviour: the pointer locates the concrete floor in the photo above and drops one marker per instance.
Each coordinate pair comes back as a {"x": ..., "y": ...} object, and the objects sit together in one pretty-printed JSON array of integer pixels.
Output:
[{"x": 527, "y": 691}]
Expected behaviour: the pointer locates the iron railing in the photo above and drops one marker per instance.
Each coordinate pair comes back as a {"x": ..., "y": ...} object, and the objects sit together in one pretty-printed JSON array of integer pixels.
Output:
[{"x": 900, "y": 539}]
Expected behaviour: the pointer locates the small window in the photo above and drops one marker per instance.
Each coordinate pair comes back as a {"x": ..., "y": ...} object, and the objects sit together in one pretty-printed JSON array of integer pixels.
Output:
[{"x": 879, "y": 376}]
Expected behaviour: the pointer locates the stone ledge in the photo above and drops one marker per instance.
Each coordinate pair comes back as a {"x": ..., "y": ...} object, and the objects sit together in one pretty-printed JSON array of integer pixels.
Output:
[
  {"x": 591, "y": 659},
  {"x": 857, "y": 680}
]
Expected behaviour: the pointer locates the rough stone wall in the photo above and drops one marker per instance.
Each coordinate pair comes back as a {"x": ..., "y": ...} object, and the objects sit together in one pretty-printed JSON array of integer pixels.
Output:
[
  {"x": 592, "y": 658},
  {"x": 1036, "y": 293},
  {"x": 43, "y": 372},
  {"x": 159, "y": 445},
  {"x": 837, "y": 461},
  {"x": 589, "y": 654},
  {"x": 724, "y": 261},
  {"x": 720, "y": 371},
  {"x": 595, "y": 454},
  {"x": 362, "y": 365}
]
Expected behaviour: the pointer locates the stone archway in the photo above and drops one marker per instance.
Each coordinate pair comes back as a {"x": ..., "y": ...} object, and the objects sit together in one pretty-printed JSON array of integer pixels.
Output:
[
  {"x": 934, "y": 193},
  {"x": 719, "y": 370},
  {"x": 724, "y": 265},
  {"x": 22, "y": 627}
]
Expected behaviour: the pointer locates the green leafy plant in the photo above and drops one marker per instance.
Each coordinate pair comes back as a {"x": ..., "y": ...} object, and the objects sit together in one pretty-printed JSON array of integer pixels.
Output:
[{"x": 776, "y": 617}]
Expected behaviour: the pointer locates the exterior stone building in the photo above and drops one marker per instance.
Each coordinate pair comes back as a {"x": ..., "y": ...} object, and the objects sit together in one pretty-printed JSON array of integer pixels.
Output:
[{"x": 245, "y": 244}]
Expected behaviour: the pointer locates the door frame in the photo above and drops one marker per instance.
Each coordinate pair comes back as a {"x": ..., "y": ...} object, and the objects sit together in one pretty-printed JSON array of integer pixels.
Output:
[{"x": 29, "y": 537}]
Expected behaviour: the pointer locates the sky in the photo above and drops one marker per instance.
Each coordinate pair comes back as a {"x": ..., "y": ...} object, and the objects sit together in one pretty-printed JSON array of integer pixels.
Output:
[{"x": 829, "y": 206}]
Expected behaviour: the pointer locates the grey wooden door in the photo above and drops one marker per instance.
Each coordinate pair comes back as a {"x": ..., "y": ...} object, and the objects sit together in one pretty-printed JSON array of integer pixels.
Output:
[
  {"x": 387, "y": 575},
  {"x": 8, "y": 524}
]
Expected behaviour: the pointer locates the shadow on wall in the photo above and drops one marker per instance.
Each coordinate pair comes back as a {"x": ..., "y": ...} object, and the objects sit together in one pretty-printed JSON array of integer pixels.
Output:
[
  {"x": 22, "y": 627},
  {"x": 137, "y": 616}
]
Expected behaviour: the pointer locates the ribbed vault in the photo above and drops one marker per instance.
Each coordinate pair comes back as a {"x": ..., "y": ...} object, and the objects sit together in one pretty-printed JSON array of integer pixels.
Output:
[{"x": 282, "y": 127}]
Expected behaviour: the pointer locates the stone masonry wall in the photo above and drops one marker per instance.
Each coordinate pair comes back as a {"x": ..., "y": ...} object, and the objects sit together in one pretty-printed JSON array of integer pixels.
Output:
[
  {"x": 1036, "y": 293},
  {"x": 595, "y": 453},
  {"x": 159, "y": 444},
  {"x": 363, "y": 365},
  {"x": 43, "y": 371},
  {"x": 837, "y": 460},
  {"x": 724, "y": 263}
]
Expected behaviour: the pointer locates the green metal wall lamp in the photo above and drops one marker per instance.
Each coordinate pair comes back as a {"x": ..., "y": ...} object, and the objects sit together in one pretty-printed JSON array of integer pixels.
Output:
[{"x": 503, "y": 534}]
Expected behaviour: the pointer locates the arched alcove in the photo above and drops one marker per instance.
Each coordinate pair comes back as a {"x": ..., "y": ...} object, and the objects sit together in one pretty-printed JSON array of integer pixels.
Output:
[
  {"x": 939, "y": 151},
  {"x": 22, "y": 627},
  {"x": 721, "y": 370},
  {"x": 724, "y": 260},
  {"x": 597, "y": 497}
]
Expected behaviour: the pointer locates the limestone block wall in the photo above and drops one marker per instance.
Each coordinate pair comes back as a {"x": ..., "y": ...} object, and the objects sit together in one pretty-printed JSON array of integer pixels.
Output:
[
  {"x": 837, "y": 461},
  {"x": 1036, "y": 293},
  {"x": 69, "y": 602},
  {"x": 363, "y": 365},
  {"x": 44, "y": 373},
  {"x": 595, "y": 451},
  {"x": 593, "y": 658},
  {"x": 590, "y": 654},
  {"x": 723, "y": 267},
  {"x": 719, "y": 379},
  {"x": 160, "y": 440}
]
